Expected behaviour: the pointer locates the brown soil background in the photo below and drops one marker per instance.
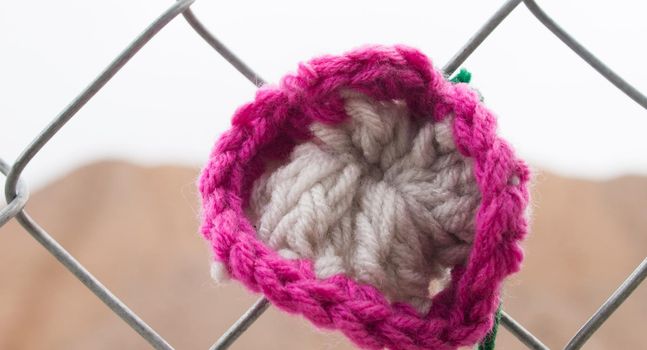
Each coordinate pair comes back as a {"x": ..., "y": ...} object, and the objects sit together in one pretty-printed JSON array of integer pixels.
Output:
[{"x": 135, "y": 228}]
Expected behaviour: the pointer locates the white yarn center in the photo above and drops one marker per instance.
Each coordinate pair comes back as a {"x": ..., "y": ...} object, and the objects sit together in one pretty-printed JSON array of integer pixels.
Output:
[{"x": 383, "y": 198}]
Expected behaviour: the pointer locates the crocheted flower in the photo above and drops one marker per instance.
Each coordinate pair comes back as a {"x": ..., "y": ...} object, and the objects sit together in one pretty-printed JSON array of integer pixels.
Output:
[{"x": 350, "y": 189}]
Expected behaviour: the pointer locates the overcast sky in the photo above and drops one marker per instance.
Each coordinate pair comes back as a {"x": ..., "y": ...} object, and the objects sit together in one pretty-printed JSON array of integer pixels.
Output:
[{"x": 169, "y": 104}]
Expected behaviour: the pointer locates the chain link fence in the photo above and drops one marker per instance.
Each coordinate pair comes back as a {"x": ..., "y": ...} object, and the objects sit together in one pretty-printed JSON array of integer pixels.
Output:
[{"x": 17, "y": 194}]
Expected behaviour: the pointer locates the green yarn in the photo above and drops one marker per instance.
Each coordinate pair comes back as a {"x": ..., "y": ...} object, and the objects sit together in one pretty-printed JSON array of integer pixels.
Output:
[
  {"x": 488, "y": 342},
  {"x": 463, "y": 76}
]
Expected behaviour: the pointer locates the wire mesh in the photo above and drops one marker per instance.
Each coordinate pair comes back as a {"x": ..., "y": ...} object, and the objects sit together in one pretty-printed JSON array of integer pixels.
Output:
[{"x": 17, "y": 194}]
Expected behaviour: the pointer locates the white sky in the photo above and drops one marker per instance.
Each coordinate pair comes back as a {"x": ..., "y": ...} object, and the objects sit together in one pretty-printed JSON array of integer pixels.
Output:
[{"x": 169, "y": 104}]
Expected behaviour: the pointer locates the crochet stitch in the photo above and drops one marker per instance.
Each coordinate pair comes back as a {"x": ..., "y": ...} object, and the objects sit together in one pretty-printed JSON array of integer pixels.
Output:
[
  {"x": 371, "y": 174},
  {"x": 383, "y": 198}
]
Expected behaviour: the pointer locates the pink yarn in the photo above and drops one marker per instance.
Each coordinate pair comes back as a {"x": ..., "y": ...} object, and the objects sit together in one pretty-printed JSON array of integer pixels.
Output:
[{"x": 279, "y": 117}]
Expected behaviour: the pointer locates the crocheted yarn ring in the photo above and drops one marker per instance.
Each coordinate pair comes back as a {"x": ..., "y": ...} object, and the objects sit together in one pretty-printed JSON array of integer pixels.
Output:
[{"x": 370, "y": 195}]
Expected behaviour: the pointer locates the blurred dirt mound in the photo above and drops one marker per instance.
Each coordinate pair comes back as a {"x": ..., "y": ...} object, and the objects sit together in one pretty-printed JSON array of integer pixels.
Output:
[{"x": 135, "y": 228}]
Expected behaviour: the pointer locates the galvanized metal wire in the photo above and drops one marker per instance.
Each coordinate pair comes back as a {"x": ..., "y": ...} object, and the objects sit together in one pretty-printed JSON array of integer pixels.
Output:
[{"x": 17, "y": 194}]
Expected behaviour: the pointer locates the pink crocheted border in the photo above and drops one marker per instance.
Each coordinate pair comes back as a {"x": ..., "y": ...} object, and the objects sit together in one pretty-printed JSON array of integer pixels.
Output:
[{"x": 279, "y": 117}]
